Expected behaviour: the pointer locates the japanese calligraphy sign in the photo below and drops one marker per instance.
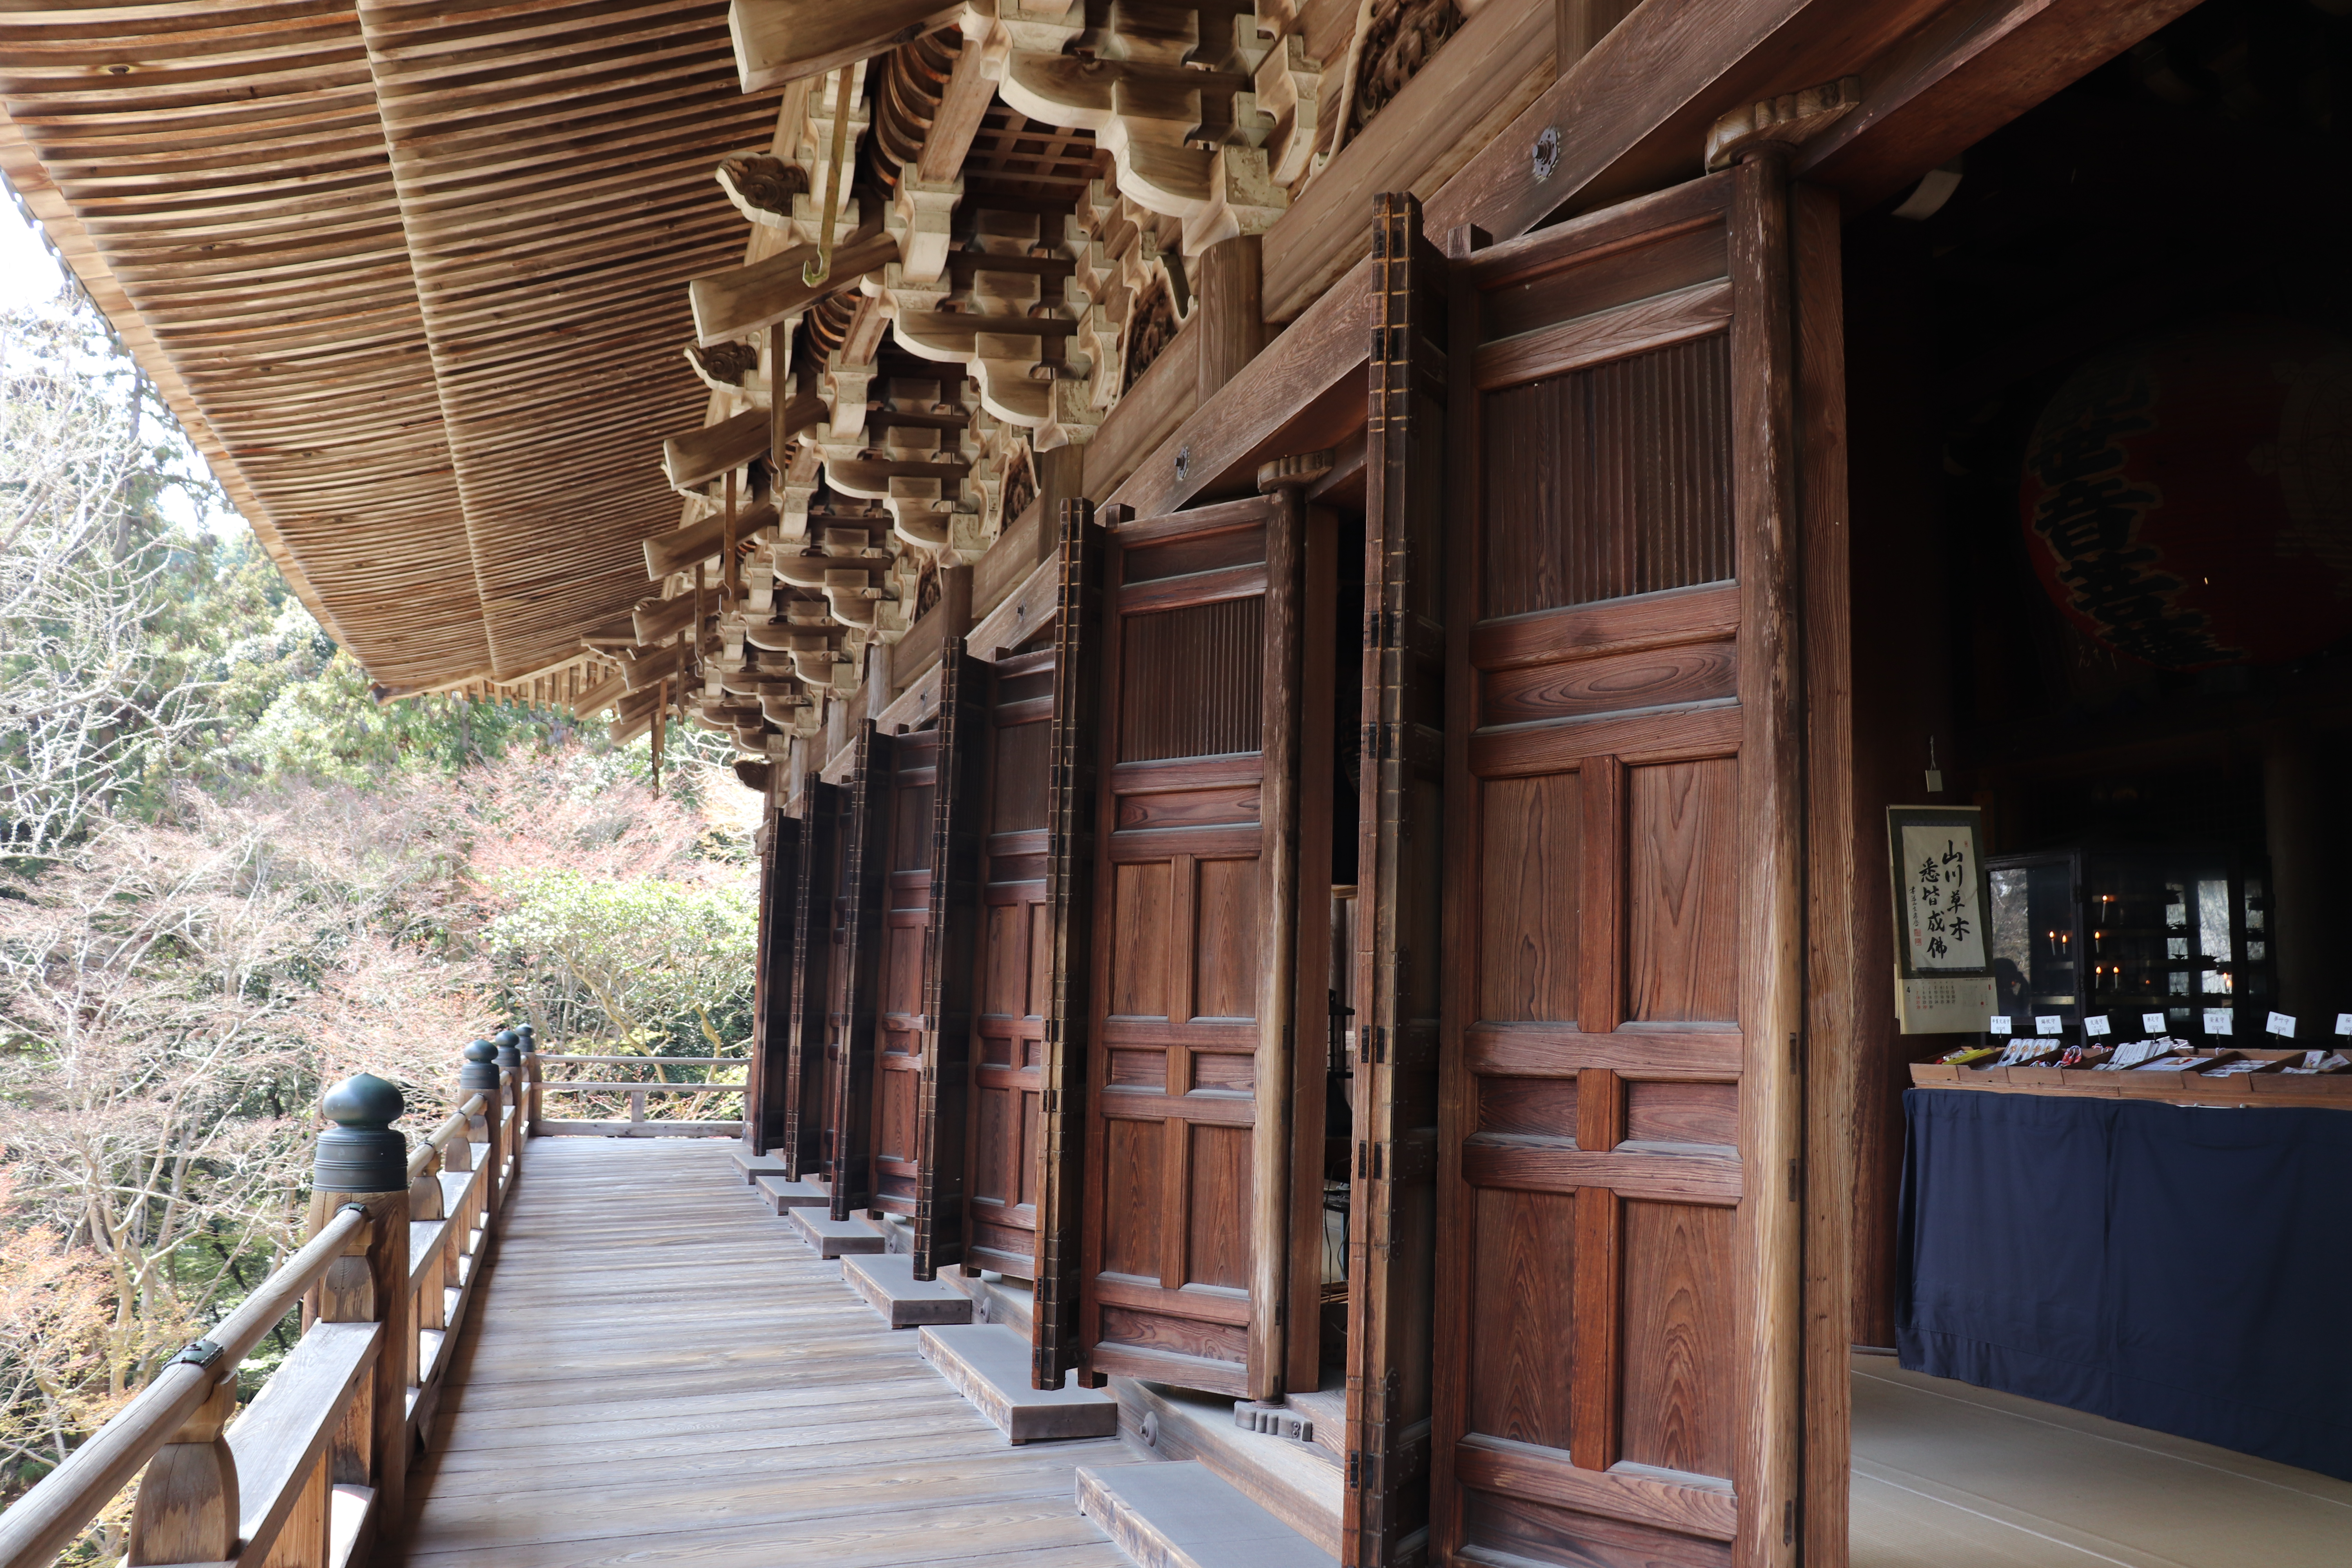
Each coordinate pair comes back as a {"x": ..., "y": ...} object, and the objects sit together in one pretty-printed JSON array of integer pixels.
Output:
[{"x": 1938, "y": 867}]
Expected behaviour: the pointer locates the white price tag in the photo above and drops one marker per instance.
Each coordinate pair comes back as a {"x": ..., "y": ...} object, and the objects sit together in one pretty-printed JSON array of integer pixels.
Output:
[
  {"x": 1997, "y": 1023},
  {"x": 2283, "y": 1025},
  {"x": 2344, "y": 1022},
  {"x": 2048, "y": 1023},
  {"x": 2096, "y": 1025},
  {"x": 2218, "y": 1021},
  {"x": 2152, "y": 1022}
]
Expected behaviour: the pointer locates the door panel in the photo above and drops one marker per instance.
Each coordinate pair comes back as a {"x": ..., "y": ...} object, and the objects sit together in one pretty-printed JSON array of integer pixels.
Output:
[
  {"x": 950, "y": 962},
  {"x": 1399, "y": 949},
  {"x": 815, "y": 888},
  {"x": 862, "y": 900},
  {"x": 1061, "y": 940},
  {"x": 1189, "y": 1163},
  {"x": 1618, "y": 1262},
  {"x": 771, "y": 991},
  {"x": 909, "y": 794}
]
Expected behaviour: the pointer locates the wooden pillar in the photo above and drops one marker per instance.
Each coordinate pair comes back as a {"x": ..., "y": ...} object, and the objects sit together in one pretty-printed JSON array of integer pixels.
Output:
[
  {"x": 1836, "y": 976},
  {"x": 1228, "y": 313},
  {"x": 1061, "y": 476},
  {"x": 1582, "y": 25}
]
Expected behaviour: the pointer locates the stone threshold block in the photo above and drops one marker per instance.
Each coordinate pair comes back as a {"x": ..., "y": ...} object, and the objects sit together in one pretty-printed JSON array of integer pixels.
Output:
[
  {"x": 888, "y": 1285},
  {"x": 988, "y": 1365},
  {"x": 834, "y": 1237},
  {"x": 782, "y": 1195},
  {"x": 1184, "y": 1515}
]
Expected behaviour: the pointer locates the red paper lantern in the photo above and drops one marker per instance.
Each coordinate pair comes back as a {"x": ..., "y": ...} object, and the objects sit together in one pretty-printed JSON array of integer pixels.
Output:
[{"x": 2186, "y": 497}]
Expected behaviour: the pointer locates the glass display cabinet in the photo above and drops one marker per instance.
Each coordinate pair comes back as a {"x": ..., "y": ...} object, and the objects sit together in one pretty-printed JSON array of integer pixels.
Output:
[{"x": 2080, "y": 933}]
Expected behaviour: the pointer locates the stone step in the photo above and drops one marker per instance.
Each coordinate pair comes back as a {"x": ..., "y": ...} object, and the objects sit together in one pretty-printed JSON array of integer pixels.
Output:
[
  {"x": 834, "y": 1237},
  {"x": 754, "y": 1166},
  {"x": 995, "y": 1299},
  {"x": 783, "y": 1195},
  {"x": 988, "y": 1365},
  {"x": 889, "y": 1287},
  {"x": 1184, "y": 1515},
  {"x": 1300, "y": 1483}
]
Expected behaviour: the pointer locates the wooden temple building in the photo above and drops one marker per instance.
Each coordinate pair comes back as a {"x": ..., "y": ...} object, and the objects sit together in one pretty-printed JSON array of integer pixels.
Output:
[{"x": 1327, "y": 598}]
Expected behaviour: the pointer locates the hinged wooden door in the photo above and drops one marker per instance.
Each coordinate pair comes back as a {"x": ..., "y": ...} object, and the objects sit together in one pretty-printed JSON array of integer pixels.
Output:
[
  {"x": 1073, "y": 755},
  {"x": 1012, "y": 702},
  {"x": 815, "y": 887},
  {"x": 1398, "y": 875},
  {"x": 1618, "y": 1257},
  {"x": 950, "y": 946},
  {"x": 909, "y": 788},
  {"x": 772, "y": 997},
  {"x": 860, "y": 900},
  {"x": 1187, "y": 1156}
]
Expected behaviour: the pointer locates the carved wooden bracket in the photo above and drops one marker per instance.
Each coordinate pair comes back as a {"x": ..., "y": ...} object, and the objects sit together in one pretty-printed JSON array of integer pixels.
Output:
[{"x": 1792, "y": 117}]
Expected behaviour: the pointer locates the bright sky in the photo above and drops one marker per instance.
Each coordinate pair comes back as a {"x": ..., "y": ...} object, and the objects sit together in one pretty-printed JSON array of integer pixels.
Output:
[{"x": 31, "y": 276}]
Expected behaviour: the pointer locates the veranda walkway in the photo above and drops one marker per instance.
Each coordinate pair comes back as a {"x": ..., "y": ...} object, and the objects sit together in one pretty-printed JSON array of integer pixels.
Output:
[{"x": 659, "y": 1373}]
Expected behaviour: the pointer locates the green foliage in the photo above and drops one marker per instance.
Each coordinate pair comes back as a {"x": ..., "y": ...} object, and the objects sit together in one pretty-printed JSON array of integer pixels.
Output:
[{"x": 658, "y": 966}]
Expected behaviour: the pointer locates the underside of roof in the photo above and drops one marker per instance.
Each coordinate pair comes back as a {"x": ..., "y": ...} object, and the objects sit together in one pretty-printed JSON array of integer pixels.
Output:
[{"x": 413, "y": 277}]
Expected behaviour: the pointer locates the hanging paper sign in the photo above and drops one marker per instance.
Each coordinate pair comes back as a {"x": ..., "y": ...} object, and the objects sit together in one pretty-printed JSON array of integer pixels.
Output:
[
  {"x": 2096, "y": 1025},
  {"x": 2048, "y": 1023},
  {"x": 1997, "y": 1023},
  {"x": 1943, "y": 922},
  {"x": 2152, "y": 1022},
  {"x": 2283, "y": 1025},
  {"x": 2218, "y": 1021}
]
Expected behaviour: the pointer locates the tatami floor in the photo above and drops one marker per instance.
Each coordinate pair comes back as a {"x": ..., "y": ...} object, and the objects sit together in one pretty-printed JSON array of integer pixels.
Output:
[
  {"x": 1950, "y": 1476},
  {"x": 660, "y": 1375}
]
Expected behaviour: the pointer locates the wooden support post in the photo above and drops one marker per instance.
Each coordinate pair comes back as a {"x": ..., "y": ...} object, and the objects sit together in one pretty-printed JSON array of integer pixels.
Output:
[
  {"x": 1230, "y": 316},
  {"x": 481, "y": 1076},
  {"x": 361, "y": 1161},
  {"x": 188, "y": 1507},
  {"x": 1061, "y": 476}
]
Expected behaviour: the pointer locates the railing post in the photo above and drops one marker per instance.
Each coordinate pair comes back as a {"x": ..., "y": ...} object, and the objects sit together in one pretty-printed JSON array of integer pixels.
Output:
[
  {"x": 187, "y": 1509},
  {"x": 481, "y": 1076},
  {"x": 510, "y": 1048},
  {"x": 530, "y": 1077},
  {"x": 362, "y": 1160}
]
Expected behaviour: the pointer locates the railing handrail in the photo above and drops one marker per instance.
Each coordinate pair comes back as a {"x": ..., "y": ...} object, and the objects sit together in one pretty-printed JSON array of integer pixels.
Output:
[
  {"x": 648, "y": 1062},
  {"x": 45, "y": 1520},
  {"x": 422, "y": 1161}
]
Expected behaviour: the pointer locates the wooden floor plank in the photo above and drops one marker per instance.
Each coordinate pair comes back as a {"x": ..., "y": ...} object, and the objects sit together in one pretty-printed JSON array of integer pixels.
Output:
[{"x": 659, "y": 1373}]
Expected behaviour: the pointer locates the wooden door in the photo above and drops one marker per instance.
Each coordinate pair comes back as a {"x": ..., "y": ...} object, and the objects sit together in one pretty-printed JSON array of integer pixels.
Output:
[
  {"x": 861, "y": 898},
  {"x": 1399, "y": 879},
  {"x": 815, "y": 883},
  {"x": 771, "y": 987},
  {"x": 952, "y": 944},
  {"x": 1617, "y": 1343},
  {"x": 1187, "y": 1165},
  {"x": 907, "y": 790},
  {"x": 1011, "y": 969},
  {"x": 1073, "y": 750}
]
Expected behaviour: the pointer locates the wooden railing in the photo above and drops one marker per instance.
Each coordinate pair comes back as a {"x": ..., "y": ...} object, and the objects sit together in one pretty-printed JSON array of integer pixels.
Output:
[
  {"x": 313, "y": 1472},
  {"x": 638, "y": 1125}
]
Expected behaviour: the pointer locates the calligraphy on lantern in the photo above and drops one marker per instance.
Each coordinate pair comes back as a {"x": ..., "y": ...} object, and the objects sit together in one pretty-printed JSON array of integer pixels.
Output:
[{"x": 1941, "y": 919}]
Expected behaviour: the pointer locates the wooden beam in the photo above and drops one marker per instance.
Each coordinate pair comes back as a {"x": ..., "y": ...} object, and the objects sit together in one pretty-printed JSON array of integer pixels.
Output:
[
  {"x": 659, "y": 619},
  {"x": 681, "y": 548},
  {"x": 1965, "y": 74},
  {"x": 962, "y": 105},
  {"x": 744, "y": 298},
  {"x": 1633, "y": 114},
  {"x": 599, "y": 697},
  {"x": 780, "y": 41},
  {"x": 693, "y": 462}
]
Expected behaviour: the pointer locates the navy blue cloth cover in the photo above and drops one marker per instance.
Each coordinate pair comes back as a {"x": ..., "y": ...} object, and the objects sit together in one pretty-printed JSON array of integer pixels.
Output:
[{"x": 2187, "y": 1268}]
